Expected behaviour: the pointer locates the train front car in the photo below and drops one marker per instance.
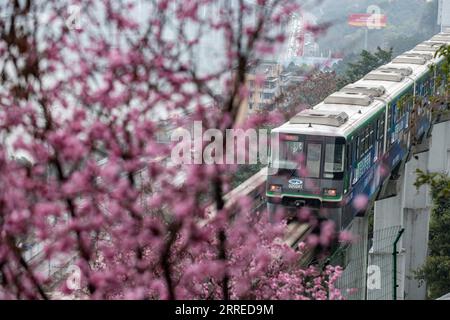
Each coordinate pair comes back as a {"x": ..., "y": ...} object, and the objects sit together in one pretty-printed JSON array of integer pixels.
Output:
[
  {"x": 330, "y": 157},
  {"x": 307, "y": 165}
]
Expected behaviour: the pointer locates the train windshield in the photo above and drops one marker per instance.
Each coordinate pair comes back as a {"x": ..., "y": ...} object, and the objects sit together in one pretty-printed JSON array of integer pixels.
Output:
[
  {"x": 290, "y": 155},
  {"x": 305, "y": 154}
]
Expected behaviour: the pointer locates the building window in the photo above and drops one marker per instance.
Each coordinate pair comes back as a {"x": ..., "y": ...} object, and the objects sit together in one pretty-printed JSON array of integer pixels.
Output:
[
  {"x": 267, "y": 96},
  {"x": 269, "y": 84}
]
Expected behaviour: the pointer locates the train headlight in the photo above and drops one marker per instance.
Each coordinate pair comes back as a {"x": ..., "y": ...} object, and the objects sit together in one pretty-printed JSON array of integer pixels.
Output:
[
  {"x": 275, "y": 188},
  {"x": 330, "y": 192}
]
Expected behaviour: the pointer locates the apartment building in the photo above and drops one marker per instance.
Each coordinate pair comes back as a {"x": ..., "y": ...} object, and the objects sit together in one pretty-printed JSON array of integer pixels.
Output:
[{"x": 263, "y": 83}]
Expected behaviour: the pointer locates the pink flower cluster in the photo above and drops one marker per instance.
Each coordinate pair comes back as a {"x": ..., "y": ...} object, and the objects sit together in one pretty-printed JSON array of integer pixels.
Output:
[{"x": 85, "y": 180}]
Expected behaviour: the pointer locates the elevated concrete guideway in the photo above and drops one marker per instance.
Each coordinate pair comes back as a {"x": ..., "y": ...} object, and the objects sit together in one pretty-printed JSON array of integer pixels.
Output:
[{"x": 409, "y": 209}]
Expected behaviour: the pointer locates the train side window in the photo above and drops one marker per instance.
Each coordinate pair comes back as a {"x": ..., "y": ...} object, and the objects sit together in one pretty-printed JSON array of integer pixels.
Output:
[
  {"x": 372, "y": 134},
  {"x": 378, "y": 129},
  {"x": 395, "y": 112},
  {"x": 381, "y": 133},
  {"x": 367, "y": 146},
  {"x": 348, "y": 157},
  {"x": 364, "y": 148},
  {"x": 389, "y": 125},
  {"x": 361, "y": 144},
  {"x": 358, "y": 147}
]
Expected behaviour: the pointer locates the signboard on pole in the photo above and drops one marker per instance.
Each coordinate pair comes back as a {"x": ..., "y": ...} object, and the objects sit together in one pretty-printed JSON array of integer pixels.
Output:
[{"x": 367, "y": 20}]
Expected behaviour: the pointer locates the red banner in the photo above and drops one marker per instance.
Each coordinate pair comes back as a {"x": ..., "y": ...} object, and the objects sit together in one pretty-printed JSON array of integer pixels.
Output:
[{"x": 371, "y": 21}]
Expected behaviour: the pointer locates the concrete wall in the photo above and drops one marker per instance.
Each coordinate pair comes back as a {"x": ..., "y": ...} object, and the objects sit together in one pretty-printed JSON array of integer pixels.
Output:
[
  {"x": 439, "y": 155},
  {"x": 416, "y": 211},
  {"x": 444, "y": 14},
  {"x": 415, "y": 243}
]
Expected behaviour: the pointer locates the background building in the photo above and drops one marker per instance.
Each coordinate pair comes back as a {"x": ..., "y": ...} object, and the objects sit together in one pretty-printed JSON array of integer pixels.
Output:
[
  {"x": 444, "y": 15},
  {"x": 264, "y": 85}
]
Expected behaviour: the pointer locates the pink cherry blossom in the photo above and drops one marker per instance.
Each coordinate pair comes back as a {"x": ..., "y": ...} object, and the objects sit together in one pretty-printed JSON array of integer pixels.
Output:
[
  {"x": 85, "y": 173},
  {"x": 360, "y": 202}
]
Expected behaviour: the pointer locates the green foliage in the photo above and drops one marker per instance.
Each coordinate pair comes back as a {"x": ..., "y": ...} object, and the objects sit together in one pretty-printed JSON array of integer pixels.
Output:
[
  {"x": 437, "y": 274},
  {"x": 244, "y": 172},
  {"x": 367, "y": 62},
  {"x": 364, "y": 63},
  {"x": 439, "y": 182},
  {"x": 442, "y": 78},
  {"x": 404, "y": 101},
  {"x": 436, "y": 271},
  {"x": 444, "y": 51}
]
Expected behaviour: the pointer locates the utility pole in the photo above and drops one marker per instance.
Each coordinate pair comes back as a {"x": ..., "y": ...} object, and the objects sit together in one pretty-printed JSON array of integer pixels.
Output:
[{"x": 366, "y": 39}]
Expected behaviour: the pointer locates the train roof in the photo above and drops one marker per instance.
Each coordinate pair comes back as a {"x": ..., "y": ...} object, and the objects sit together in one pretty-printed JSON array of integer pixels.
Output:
[
  {"x": 343, "y": 111},
  {"x": 354, "y": 114}
]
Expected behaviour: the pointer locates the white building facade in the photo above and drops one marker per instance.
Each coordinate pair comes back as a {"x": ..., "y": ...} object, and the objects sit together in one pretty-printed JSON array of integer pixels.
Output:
[{"x": 444, "y": 15}]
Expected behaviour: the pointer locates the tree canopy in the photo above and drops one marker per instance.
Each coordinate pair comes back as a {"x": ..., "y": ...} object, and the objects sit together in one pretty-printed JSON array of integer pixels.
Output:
[
  {"x": 366, "y": 62},
  {"x": 436, "y": 271}
]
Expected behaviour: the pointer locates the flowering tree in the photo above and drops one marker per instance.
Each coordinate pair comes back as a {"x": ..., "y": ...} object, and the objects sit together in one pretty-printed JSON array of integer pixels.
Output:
[
  {"x": 84, "y": 85},
  {"x": 315, "y": 88}
]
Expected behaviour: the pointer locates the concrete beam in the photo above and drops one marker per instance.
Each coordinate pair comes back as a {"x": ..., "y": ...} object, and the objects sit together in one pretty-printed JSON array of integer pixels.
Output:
[
  {"x": 416, "y": 246},
  {"x": 412, "y": 197},
  {"x": 410, "y": 209},
  {"x": 439, "y": 156}
]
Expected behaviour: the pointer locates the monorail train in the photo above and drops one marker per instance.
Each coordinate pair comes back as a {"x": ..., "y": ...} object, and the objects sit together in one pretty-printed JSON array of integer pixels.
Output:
[{"x": 351, "y": 142}]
